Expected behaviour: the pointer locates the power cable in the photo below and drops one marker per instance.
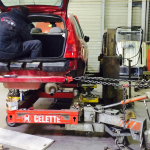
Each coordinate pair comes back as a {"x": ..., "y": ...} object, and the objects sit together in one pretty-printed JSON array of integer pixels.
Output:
[{"x": 135, "y": 28}]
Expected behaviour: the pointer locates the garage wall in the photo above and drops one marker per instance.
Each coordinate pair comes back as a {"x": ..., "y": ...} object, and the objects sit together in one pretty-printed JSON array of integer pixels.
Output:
[
  {"x": 89, "y": 15},
  {"x": 116, "y": 13},
  {"x": 136, "y": 16}
]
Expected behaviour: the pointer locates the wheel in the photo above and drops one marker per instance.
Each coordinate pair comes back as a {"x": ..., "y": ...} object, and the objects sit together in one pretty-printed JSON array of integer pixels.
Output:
[{"x": 10, "y": 124}]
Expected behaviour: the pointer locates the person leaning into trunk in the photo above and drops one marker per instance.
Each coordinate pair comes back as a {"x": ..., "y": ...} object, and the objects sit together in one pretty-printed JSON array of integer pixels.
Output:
[{"x": 15, "y": 38}]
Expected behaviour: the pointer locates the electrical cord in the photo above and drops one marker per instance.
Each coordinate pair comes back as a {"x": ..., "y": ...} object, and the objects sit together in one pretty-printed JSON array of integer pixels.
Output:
[
  {"x": 123, "y": 27},
  {"x": 136, "y": 63},
  {"x": 139, "y": 52}
]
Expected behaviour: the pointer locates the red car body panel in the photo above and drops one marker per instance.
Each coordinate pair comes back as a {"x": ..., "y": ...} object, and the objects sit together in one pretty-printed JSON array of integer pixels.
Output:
[{"x": 75, "y": 50}]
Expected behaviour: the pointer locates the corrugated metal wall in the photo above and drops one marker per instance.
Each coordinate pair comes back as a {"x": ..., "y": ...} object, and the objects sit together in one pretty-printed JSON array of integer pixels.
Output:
[
  {"x": 136, "y": 16},
  {"x": 89, "y": 15},
  {"x": 116, "y": 13}
]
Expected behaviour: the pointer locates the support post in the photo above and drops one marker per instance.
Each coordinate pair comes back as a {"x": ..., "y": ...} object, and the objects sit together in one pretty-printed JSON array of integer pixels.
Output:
[
  {"x": 143, "y": 18},
  {"x": 129, "y": 77},
  {"x": 110, "y": 66},
  {"x": 129, "y": 13},
  {"x": 102, "y": 19},
  {"x": 147, "y": 18}
]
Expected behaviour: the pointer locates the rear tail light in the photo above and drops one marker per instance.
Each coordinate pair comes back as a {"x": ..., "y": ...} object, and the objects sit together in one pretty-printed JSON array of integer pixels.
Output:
[{"x": 71, "y": 51}]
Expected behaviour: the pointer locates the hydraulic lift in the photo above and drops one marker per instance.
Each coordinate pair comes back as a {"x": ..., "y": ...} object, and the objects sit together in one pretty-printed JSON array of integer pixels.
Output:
[
  {"x": 26, "y": 113},
  {"x": 86, "y": 113},
  {"x": 89, "y": 116}
]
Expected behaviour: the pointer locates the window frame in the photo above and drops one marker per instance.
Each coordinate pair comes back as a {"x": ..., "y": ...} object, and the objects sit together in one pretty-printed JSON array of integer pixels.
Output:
[{"x": 78, "y": 29}]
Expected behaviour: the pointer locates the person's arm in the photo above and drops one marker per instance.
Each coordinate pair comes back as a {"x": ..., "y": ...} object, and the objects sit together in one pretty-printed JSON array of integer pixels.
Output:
[{"x": 25, "y": 34}]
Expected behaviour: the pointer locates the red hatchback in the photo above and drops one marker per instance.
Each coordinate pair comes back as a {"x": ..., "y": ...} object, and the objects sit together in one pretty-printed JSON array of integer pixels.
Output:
[{"x": 64, "y": 51}]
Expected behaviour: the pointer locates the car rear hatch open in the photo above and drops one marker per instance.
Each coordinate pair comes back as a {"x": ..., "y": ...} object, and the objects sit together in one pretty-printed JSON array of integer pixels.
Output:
[
  {"x": 42, "y": 13},
  {"x": 36, "y": 5}
]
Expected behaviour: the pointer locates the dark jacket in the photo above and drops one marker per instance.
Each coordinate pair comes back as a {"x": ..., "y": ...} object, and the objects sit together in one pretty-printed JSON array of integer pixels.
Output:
[{"x": 13, "y": 32}]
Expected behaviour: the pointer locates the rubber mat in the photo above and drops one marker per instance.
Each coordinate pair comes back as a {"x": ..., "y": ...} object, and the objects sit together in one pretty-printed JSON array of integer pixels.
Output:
[{"x": 24, "y": 141}]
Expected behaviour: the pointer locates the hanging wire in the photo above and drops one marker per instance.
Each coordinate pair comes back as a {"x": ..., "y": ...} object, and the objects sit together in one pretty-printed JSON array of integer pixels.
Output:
[{"x": 140, "y": 47}]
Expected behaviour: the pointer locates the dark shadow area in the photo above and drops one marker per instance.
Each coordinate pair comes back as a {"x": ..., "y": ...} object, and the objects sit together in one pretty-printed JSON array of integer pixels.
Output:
[{"x": 52, "y": 45}]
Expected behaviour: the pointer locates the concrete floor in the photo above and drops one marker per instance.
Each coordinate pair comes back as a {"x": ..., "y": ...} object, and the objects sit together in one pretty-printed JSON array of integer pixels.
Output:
[{"x": 65, "y": 140}]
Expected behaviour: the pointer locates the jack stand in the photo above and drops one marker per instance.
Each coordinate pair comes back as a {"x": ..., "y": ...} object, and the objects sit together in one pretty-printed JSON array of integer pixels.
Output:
[
  {"x": 121, "y": 146},
  {"x": 87, "y": 96}
]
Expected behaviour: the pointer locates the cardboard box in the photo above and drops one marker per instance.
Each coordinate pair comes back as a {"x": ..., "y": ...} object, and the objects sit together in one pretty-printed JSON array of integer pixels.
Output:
[{"x": 12, "y": 104}]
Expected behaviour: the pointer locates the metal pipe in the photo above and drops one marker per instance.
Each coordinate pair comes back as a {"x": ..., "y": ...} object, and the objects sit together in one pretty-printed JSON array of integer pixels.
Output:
[
  {"x": 129, "y": 77},
  {"x": 147, "y": 109},
  {"x": 143, "y": 18},
  {"x": 138, "y": 98},
  {"x": 112, "y": 105},
  {"x": 102, "y": 19},
  {"x": 127, "y": 101},
  {"x": 147, "y": 18},
  {"x": 129, "y": 13}
]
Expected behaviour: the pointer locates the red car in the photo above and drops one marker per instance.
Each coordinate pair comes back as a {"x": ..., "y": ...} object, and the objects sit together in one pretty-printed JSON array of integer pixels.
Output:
[{"x": 64, "y": 51}]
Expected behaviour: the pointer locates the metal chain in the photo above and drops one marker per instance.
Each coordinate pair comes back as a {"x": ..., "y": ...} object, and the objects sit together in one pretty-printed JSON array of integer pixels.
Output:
[{"x": 109, "y": 81}]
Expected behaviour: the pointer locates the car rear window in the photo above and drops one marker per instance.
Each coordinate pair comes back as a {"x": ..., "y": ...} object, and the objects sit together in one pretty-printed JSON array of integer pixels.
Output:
[
  {"x": 32, "y": 2},
  {"x": 46, "y": 26}
]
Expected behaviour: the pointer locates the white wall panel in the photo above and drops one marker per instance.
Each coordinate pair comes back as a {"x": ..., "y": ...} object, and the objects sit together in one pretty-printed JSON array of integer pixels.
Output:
[
  {"x": 116, "y": 13},
  {"x": 136, "y": 16},
  {"x": 89, "y": 15}
]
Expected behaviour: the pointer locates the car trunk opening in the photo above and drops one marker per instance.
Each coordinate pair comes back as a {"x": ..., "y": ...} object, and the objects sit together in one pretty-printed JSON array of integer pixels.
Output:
[{"x": 51, "y": 31}]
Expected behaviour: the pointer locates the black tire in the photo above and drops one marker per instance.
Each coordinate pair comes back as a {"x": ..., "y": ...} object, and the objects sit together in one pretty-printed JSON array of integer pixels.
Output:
[{"x": 10, "y": 124}]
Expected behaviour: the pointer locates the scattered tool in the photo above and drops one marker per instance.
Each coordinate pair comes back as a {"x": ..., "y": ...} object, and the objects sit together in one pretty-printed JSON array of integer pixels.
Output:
[
  {"x": 129, "y": 115},
  {"x": 131, "y": 100}
]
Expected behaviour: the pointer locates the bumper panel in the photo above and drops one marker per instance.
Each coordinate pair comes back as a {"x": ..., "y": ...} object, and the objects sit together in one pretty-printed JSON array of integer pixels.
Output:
[
  {"x": 43, "y": 116},
  {"x": 55, "y": 66}
]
